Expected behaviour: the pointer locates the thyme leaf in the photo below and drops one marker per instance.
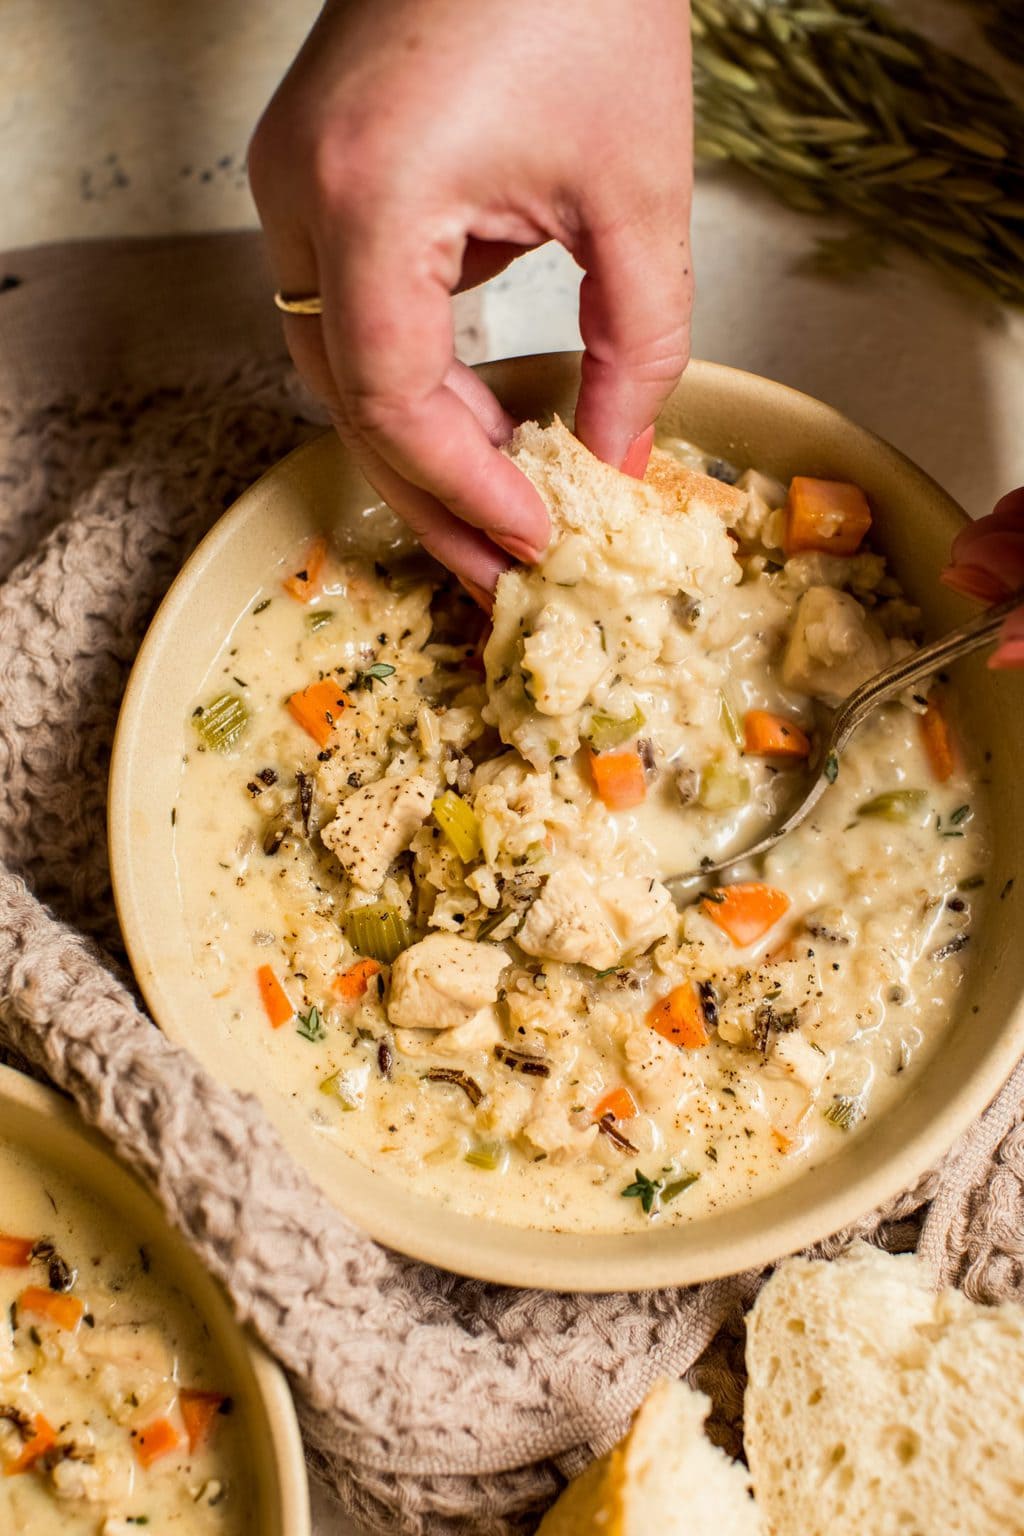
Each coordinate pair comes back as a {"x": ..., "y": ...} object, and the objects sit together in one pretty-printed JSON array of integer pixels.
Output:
[
  {"x": 643, "y": 1189},
  {"x": 375, "y": 674},
  {"x": 310, "y": 1025}
]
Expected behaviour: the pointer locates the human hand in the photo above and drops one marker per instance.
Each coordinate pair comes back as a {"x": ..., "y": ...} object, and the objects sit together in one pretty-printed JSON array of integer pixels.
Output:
[
  {"x": 988, "y": 564},
  {"x": 415, "y": 149}
]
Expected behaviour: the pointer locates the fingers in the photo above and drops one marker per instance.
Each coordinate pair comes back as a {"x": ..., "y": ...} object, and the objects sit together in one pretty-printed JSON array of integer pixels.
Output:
[
  {"x": 1010, "y": 651},
  {"x": 988, "y": 565},
  {"x": 474, "y": 559},
  {"x": 637, "y": 454},
  {"x": 635, "y": 303},
  {"x": 487, "y": 409},
  {"x": 988, "y": 556},
  {"x": 388, "y": 336},
  {"x": 464, "y": 550}
]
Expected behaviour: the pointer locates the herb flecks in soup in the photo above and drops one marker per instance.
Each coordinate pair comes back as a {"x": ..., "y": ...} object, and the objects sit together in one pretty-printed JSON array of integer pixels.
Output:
[
  {"x": 115, "y": 1413},
  {"x": 423, "y": 862}
]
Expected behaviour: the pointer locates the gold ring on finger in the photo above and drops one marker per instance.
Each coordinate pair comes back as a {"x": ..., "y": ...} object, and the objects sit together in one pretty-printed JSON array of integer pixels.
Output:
[{"x": 299, "y": 303}]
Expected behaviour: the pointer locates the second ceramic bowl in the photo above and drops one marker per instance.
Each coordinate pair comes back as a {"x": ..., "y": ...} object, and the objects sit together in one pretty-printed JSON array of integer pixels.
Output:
[{"x": 38, "y": 1122}]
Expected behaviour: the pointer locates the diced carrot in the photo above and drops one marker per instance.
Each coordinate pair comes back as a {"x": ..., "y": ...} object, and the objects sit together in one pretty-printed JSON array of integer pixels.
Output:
[
  {"x": 938, "y": 740},
  {"x": 156, "y": 1440},
  {"x": 43, "y": 1437},
  {"x": 56, "y": 1306},
  {"x": 619, "y": 1103},
  {"x": 317, "y": 707},
  {"x": 352, "y": 984},
  {"x": 619, "y": 778},
  {"x": 678, "y": 1018},
  {"x": 304, "y": 583},
  {"x": 768, "y": 735},
  {"x": 827, "y": 515},
  {"x": 15, "y": 1252},
  {"x": 198, "y": 1411},
  {"x": 745, "y": 912},
  {"x": 274, "y": 997}
]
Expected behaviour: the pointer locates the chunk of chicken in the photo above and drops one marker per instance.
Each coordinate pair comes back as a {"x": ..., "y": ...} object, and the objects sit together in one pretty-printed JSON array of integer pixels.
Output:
[
  {"x": 833, "y": 646},
  {"x": 81, "y": 1475},
  {"x": 582, "y": 924},
  {"x": 443, "y": 982},
  {"x": 551, "y": 1132},
  {"x": 375, "y": 824},
  {"x": 567, "y": 922},
  {"x": 641, "y": 911}
]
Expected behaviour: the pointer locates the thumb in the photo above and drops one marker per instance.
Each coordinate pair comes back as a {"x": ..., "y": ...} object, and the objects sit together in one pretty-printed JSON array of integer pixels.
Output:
[{"x": 635, "y": 303}]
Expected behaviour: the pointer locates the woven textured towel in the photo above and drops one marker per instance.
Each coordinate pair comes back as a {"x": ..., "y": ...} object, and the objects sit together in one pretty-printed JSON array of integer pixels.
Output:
[{"x": 429, "y": 1403}]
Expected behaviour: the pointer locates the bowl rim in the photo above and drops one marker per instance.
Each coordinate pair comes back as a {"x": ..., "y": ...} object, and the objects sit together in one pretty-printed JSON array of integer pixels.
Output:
[
  {"x": 519, "y": 1256},
  {"x": 51, "y": 1109}
]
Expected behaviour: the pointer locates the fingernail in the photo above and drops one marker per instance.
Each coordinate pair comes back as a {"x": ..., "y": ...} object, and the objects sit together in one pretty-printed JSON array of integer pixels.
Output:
[
  {"x": 975, "y": 581},
  {"x": 639, "y": 451},
  {"x": 519, "y": 549},
  {"x": 1009, "y": 655}
]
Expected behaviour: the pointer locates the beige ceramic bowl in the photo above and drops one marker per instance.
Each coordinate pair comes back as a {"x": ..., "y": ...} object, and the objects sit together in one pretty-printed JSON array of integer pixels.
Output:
[
  {"x": 750, "y": 421},
  {"x": 46, "y": 1126}
]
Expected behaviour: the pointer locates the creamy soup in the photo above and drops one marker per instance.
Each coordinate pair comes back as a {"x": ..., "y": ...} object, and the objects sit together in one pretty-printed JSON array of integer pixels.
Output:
[
  {"x": 422, "y": 860},
  {"x": 115, "y": 1408}
]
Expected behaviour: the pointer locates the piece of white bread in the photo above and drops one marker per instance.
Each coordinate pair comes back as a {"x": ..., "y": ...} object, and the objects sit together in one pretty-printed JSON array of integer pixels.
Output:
[
  {"x": 876, "y": 1405},
  {"x": 664, "y": 1479},
  {"x": 671, "y": 531},
  {"x": 582, "y": 493},
  {"x": 562, "y": 469}
]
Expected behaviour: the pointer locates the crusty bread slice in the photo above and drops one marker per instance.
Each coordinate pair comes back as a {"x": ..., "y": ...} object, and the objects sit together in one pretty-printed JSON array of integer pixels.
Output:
[
  {"x": 561, "y": 468},
  {"x": 680, "y": 487},
  {"x": 582, "y": 493},
  {"x": 624, "y": 519},
  {"x": 878, "y": 1406},
  {"x": 664, "y": 1479}
]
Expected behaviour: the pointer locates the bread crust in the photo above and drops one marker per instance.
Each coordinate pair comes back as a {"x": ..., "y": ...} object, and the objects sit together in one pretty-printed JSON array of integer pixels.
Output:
[{"x": 680, "y": 487}]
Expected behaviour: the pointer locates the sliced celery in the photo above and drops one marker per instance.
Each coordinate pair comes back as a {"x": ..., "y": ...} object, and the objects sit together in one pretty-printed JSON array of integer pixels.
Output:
[
  {"x": 457, "y": 820},
  {"x": 845, "y": 1110},
  {"x": 723, "y": 788},
  {"x": 894, "y": 804},
  {"x": 492, "y": 1156},
  {"x": 221, "y": 722},
  {"x": 606, "y": 731},
  {"x": 378, "y": 931},
  {"x": 730, "y": 720},
  {"x": 335, "y": 1088}
]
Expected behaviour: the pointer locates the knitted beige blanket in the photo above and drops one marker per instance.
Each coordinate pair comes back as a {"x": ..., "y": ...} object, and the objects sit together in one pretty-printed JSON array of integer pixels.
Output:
[{"x": 428, "y": 1403}]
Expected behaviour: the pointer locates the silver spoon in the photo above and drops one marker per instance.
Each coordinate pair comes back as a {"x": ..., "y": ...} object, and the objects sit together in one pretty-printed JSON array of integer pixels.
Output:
[{"x": 851, "y": 714}]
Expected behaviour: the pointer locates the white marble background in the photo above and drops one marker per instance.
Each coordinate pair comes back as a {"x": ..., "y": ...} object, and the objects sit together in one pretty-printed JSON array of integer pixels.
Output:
[{"x": 131, "y": 117}]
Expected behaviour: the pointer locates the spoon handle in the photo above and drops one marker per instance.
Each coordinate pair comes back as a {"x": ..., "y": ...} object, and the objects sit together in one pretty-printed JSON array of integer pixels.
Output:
[{"x": 917, "y": 666}]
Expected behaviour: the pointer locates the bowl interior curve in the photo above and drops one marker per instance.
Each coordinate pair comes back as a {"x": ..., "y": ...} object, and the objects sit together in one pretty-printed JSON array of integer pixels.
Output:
[{"x": 742, "y": 418}]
